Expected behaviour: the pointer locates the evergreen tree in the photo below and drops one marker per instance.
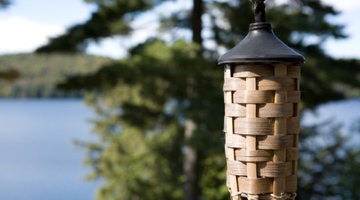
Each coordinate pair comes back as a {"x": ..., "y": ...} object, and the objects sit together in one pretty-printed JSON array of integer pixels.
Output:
[
  {"x": 329, "y": 167},
  {"x": 148, "y": 110},
  {"x": 111, "y": 18},
  {"x": 9, "y": 74},
  {"x": 4, "y": 3},
  {"x": 149, "y": 102}
]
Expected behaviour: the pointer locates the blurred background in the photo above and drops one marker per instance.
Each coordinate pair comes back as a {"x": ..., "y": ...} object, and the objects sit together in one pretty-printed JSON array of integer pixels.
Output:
[{"x": 122, "y": 99}]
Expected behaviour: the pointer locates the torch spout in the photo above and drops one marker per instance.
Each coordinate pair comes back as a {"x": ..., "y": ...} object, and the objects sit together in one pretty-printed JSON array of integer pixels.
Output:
[{"x": 259, "y": 10}]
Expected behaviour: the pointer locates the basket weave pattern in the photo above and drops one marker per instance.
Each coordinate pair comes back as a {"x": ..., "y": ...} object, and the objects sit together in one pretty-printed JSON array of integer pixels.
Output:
[{"x": 261, "y": 128}]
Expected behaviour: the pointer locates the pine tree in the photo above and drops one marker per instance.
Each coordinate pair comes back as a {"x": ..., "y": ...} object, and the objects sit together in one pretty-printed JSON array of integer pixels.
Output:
[
  {"x": 4, "y": 3},
  {"x": 8, "y": 74}
]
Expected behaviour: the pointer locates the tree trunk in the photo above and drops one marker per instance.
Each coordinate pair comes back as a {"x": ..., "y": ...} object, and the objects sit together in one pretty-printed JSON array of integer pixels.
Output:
[
  {"x": 190, "y": 163},
  {"x": 196, "y": 22},
  {"x": 191, "y": 157}
]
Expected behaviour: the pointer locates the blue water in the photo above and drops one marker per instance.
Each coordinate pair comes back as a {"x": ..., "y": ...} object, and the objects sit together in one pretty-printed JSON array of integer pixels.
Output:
[{"x": 38, "y": 159}]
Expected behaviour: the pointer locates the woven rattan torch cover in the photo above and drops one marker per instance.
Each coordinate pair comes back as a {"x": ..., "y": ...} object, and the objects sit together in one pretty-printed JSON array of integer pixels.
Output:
[{"x": 261, "y": 124}]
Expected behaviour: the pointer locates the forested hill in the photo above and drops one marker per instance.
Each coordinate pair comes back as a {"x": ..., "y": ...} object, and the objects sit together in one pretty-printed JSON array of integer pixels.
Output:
[{"x": 39, "y": 73}]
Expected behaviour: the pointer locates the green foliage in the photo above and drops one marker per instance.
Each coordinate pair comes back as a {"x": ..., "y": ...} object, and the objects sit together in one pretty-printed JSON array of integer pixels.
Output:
[
  {"x": 32, "y": 75},
  {"x": 141, "y": 121},
  {"x": 111, "y": 18},
  {"x": 4, "y": 3},
  {"x": 9, "y": 74}
]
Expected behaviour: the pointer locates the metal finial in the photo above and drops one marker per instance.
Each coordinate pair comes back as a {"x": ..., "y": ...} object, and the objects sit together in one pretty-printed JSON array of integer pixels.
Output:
[{"x": 259, "y": 10}]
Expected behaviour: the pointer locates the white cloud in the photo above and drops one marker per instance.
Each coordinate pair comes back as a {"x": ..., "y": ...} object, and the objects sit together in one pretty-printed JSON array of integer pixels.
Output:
[
  {"x": 22, "y": 35},
  {"x": 109, "y": 47}
]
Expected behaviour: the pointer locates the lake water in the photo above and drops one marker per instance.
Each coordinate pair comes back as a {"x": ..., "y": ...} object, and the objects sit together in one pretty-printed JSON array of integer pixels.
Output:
[
  {"x": 346, "y": 113},
  {"x": 38, "y": 160}
]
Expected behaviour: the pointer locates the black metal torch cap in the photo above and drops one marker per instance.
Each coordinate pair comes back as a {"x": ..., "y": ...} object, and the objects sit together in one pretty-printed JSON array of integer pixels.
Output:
[{"x": 259, "y": 46}]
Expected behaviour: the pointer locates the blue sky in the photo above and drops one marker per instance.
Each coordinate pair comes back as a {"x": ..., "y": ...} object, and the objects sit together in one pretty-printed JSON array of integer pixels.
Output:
[{"x": 28, "y": 24}]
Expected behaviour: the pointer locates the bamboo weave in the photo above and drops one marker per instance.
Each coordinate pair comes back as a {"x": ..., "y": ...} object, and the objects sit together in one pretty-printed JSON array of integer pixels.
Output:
[{"x": 261, "y": 128}]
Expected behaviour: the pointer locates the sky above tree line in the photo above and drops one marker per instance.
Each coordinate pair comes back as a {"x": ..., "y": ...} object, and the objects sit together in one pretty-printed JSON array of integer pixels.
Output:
[{"x": 28, "y": 24}]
